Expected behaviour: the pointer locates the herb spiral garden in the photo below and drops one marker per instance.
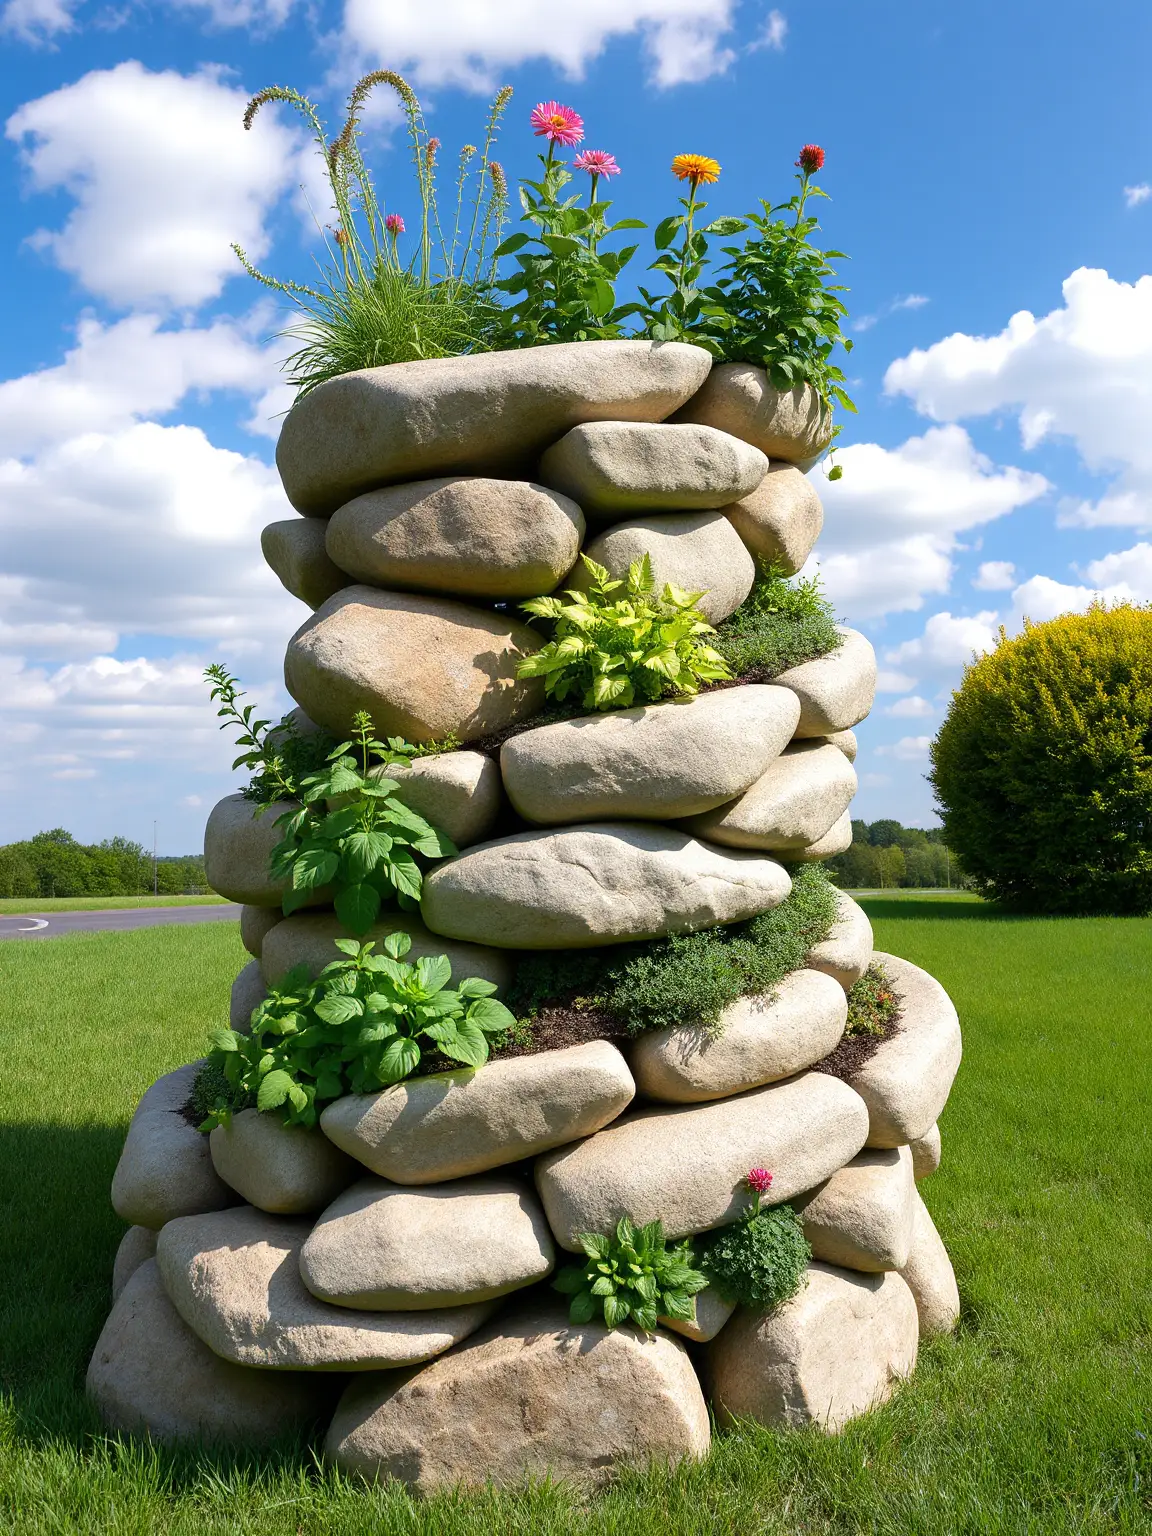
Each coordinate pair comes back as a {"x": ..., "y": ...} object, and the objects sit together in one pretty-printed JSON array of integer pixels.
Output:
[{"x": 564, "y": 1096}]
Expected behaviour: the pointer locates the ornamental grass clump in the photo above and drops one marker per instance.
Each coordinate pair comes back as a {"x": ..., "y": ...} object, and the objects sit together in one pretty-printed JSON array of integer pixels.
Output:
[
  {"x": 780, "y": 624},
  {"x": 632, "y": 1276},
  {"x": 760, "y": 1260}
]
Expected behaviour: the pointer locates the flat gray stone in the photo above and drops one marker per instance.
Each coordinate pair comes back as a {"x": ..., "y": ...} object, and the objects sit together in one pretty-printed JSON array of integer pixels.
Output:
[
  {"x": 137, "y": 1246},
  {"x": 446, "y": 1126},
  {"x": 781, "y": 519},
  {"x": 602, "y": 883},
  {"x": 687, "y": 1165},
  {"x": 698, "y": 551},
  {"x": 795, "y": 802},
  {"x": 234, "y": 1278},
  {"x": 654, "y": 762},
  {"x": 238, "y": 841},
  {"x": 476, "y": 538},
  {"x": 412, "y": 1250},
  {"x": 165, "y": 1169},
  {"x": 295, "y": 550},
  {"x": 929, "y": 1276},
  {"x": 424, "y": 668},
  {"x": 289, "y": 1170},
  {"x": 861, "y": 1218},
  {"x": 248, "y": 992},
  {"x": 836, "y": 690},
  {"x": 310, "y": 939},
  {"x": 785, "y": 424},
  {"x": 488, "y": 412},
  {"x": 759, "y": 1040},
  {"x": 906, "y": 1082},
  {"x": 847, "y": 951},
  {"x": 926, "y": 1152},
  {"x": 255, "y": 923},
  {"x": 528, "y": 1397}
]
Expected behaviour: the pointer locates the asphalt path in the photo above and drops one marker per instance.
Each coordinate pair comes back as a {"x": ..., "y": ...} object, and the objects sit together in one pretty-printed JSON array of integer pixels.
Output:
[{"x": 53, "y": 925}]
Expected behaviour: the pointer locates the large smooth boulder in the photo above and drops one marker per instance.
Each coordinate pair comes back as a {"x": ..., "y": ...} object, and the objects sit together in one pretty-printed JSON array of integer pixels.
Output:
[
  {"x": 837, "y": 839},
  {"x": 458, "y": 792},
  {"x": 798, "y": 798},
  {"x": 451, "y": 1124},
  {"x": 424, "y": 668},
  {"x": 606, "y": 882},
  {"x": 687, "y": 1165},
  {"x": 710, "y": 1313},
  {"x": 489, "y": 412},
  {"x": 238, "y": 841},
  {"x": 698, "y": 551},
  {"x": 529, "y": 1396},
  {"x": 781, "y": 519},
  {"x": 137, "y": 1246},
  {"x": 286, "y": 1169},
  {"x": 255, "y": 924},
  {"x": 613, "y": 468},
  {"x": 836, "y": 1349},
  {"x": 653, "y": 762},
  {"x": 295, "y": 550},
  {"x": 929, "y": 1275},
  {"x": 248, "y": 992},
  {"x": 861, "y": 1218},
  {"x": 411, "y": 1250},
  {"x": 836, "y": 690},
  {"x": 759, "y": 1039},
  {"x": 847, "y": 951},
  {"x": 165, "y": 1168},
  {"x": 150, "y": 1374},
  {"x": 489, "y": 539},
  {"x": 906, "y": 1081},
  {"x": 785, "y": 424},
  {"x": 310, "y": 939},
  {"x": 234, "y": 1278},
  {"x": 926, "y": 1153}
]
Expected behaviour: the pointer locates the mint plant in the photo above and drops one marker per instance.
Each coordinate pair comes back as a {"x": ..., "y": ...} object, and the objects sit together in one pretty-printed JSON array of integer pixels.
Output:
[
  {"x": 632, "y": 1275},
  {"x": 363, "y": 1024}
]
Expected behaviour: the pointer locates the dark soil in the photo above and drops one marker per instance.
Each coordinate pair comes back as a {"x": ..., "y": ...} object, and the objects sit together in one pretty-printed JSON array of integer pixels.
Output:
[
  {"x": 561, "y": 1024},
  {"x": 852, "y": 1051}
]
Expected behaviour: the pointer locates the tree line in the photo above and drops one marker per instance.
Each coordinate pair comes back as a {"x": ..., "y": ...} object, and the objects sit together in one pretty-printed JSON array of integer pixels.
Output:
[
  {"x": 55, "y": 864},
  {"x": 884, "y": 855}
]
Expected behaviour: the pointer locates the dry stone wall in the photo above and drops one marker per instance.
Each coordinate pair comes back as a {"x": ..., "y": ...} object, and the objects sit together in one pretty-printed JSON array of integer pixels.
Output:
[{"x": 384, "y": 1276}]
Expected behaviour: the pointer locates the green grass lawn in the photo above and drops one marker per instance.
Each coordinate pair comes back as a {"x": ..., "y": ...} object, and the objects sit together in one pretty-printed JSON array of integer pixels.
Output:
[
  {"x": 18, "y": 904},
  {"x": 1034, "y": 1418}
]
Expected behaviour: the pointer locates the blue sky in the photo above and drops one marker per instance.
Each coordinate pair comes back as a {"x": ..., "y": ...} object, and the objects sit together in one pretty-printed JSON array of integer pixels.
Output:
[{"x": 991, "y": 174}]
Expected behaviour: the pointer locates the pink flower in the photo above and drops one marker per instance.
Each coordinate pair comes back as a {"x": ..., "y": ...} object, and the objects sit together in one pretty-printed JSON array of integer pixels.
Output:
[
  {"x": 560, "y": 124},
  {"x": 597, "y": 162},
  {"x": 759, "y": 1180},
  {"x": 394, "y": 224}
]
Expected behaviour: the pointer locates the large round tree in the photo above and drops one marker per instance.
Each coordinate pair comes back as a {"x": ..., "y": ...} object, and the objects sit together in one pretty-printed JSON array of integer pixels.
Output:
[{"x": 1043, "y": 766}]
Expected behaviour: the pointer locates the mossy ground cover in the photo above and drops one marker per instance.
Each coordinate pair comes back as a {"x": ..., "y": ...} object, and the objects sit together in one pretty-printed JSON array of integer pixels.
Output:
[{"x": 1034, "y": 1418}]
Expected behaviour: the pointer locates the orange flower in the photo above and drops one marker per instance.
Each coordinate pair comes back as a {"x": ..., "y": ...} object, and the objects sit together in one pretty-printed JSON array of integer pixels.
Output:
[{"x": 697, "y": 169}]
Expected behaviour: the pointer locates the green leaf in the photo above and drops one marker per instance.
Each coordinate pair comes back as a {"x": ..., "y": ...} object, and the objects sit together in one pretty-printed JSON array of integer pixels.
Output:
[
  {"x": 337, "y": 1009},
  {"x": 274, "y": 1089},
  {"x": 569, "y": 1280},
  {"x": 665, "y": 231},
  {"x": 514, "y": 243},
  {"x": 594, "y": 1244},
  {"x": 616, "y": 1311},
  {"x": 470, "y": 1045},
  {"x": 491, "y": 1016},
  {"x": 364, "y": 850},
  {"x": 399, "y": 1060},
  {"x": 582, "y": 1309},
  {"x": 313, "y": 867},
  {"x": 433, "y": 972},
  {"x": 224, "y": 1040},
  {"x": 357, "y": 907}
]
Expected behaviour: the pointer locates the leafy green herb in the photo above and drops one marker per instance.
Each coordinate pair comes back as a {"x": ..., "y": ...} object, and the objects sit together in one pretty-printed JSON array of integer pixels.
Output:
[
  {"x": 873, "y": 1005},
  {"x": 363, "y": 1024},
  {"x": 633, "y": 1275},
  {"x": 760, "y": 1260},
  {"x": 780, "y": 624}
]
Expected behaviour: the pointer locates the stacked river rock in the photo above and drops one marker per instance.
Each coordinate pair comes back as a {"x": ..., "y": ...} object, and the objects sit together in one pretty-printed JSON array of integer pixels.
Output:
[{"x": 387, "y": 1274}]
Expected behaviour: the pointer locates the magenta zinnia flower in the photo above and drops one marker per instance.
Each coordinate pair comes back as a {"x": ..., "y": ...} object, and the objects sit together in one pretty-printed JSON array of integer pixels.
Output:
[
  {"x": 597, "y": 162},
  {"x": 557, "y": 123},
  {"x": 394, "y": 224},
  {"x": 759, "y": 1180}
]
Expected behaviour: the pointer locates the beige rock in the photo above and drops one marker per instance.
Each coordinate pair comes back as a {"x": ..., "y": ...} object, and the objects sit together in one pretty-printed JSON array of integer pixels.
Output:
[
  {"x": 760, "y": 1039},
  {"x": 837, "y": 690},
  {"x": 295, "y": 551},
  {"x": 687, "y": 1165},
  {"x": 423, "y": 667},
  {"x": 847, "y": 951},
  {"x": 248, "y": 992},
  {"x": 906, "y": 1082},
  {"x": 165, "y": 1169},
  {"x": 613, "y": 468},
  {"x": 137, "y": 1246},
  {"x": 150, "y": 1374},
  {"x": 926, "y": 1152},
  {"x": 478, "y": 538},
  {"x": 861, "y": 1218},
  {"x": 835, "y": 1350},
  {"x": 410, "y": 1250},
  {"x": 929, "y": 1276},
  {"x": 234, "y": 1278},
  {"x": 781, "y": 519},
  {"x": 529, "y": 1396},
  {"x": 483, "y": 413},
  {"x": 456, "y": 1123},
  {"x": 238, "y": 841},
  {"x": 699, "y": 551},
  {"x": 653, "y": 762},
  {"x": 458, "y": 792},
  {"x": 737, "y": 398},
  {"x": 603, "y": 883},
  {"x": 310, "y": 939},
  {"x": 837, "y": 839},
  {"x": 712, "y": 1312},
  {"x": 255, "y": 923},
  {"x": 286, "y": 1169},
  {"x": 796, "y": 800},
  {"x": 845, "y": 740}
]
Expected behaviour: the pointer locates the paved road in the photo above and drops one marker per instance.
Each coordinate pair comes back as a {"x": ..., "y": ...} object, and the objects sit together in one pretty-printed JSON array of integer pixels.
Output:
[{"x": 51, "y": 925}]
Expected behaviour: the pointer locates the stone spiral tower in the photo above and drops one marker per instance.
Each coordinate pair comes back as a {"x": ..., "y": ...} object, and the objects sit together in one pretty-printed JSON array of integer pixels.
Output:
[{"x": 385, "y": 1276}]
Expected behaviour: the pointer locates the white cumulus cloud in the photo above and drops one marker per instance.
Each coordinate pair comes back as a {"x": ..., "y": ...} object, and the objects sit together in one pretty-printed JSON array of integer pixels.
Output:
[
  {"x": 912, "y": 708},
  {"x": 1140, "y": 193},
  {"x": 995, "y": 576},
  {"x": 909, "y": 749},
  {"x": 37, "y": 21},
  {"x": 947, "y": 642}
]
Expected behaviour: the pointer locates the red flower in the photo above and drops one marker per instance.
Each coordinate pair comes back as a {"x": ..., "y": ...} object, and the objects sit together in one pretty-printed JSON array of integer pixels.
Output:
[
  {"x": 759, "y": 1180},
  {"x": 558, "y": 123},
  {"x": 811, "y": 159}
]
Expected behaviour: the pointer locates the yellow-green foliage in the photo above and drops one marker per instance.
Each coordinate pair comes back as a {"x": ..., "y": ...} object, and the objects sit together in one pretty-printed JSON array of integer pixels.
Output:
[{"x": 1043, "y": 767}]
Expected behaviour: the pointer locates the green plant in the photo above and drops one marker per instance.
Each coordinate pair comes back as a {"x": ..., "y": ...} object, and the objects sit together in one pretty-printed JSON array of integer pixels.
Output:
[
  {"x": 1043, "y": 766},
  {"x": 781, "y": 623},
  {"x": 760, "y": 1260},
  {"x": 613, "y": 651},
  {"x": 873, "y": 1005},
  {"x": 357, "y": 1028},
  {"x": 677, "y": 315},
  {"x": 632, "y": 1275},
  {"x": 277, "y": 757}
]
